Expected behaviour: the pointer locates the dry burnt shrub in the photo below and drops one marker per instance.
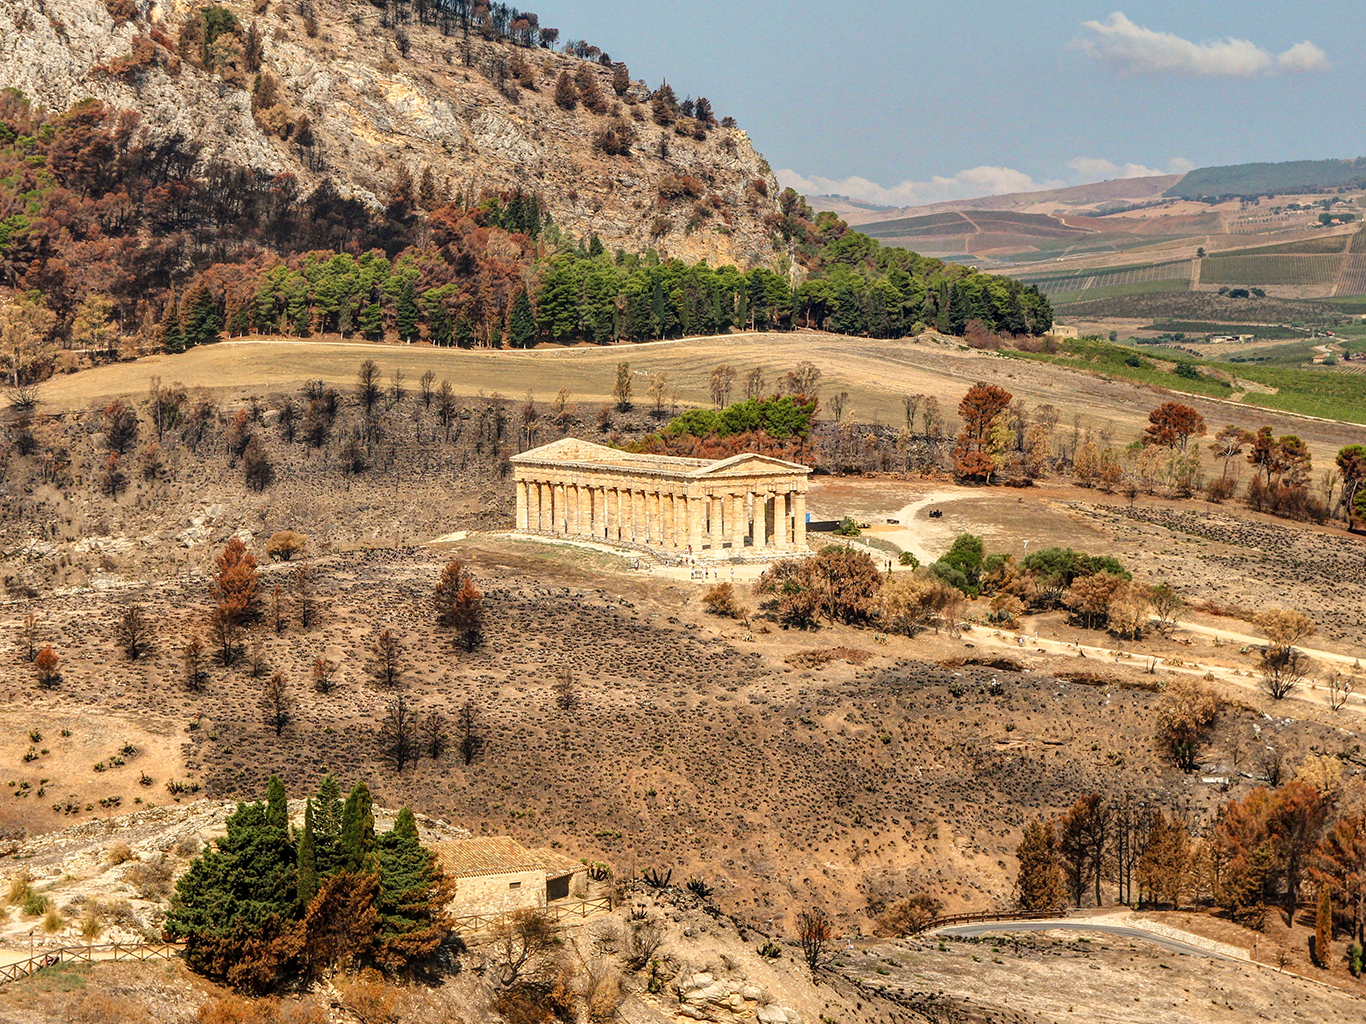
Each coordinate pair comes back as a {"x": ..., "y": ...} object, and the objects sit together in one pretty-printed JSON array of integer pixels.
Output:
[
  {"x": 285, "y": 544},
  {"x": 820, "y": 656},
  {"x": 909, "y": 916},
  {"x": 228, "y": 1008},
  {"x": 673, "y": 187},
  {"x": 721, "y": 600},
  {"x": 258, "y": 469},
  {"x": 1220, "y": 490},
  {"x": 153, "y": 878}
]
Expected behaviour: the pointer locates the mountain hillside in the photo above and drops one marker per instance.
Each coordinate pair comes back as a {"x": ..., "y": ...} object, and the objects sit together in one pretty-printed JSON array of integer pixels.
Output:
[{"x": 368, "y": 97}]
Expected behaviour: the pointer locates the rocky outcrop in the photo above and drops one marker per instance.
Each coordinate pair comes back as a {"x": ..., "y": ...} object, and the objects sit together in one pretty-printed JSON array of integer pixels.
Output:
[
  {"x": 377, "y": 99},
  {"x": 709, "y": 998}
]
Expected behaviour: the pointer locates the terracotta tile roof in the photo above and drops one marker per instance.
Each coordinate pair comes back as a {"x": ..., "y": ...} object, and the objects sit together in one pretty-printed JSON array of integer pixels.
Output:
[
  {"x": 485, "y": 855},
  {"x": 557, "y": 864}
]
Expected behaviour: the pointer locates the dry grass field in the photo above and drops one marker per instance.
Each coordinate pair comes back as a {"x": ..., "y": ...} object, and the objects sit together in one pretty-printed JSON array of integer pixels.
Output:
[{"x": 876, "y": 373}]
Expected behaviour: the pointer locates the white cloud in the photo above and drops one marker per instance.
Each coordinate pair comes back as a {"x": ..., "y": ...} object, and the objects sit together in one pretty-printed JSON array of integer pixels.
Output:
[
  {"x": 973, "y": 183},
  {"x": 1303, "y": 57},
  {"x": 1133, "y": 49},
  {"x": 1086, "y": 169},
  {"x": 969, "y": 184}
]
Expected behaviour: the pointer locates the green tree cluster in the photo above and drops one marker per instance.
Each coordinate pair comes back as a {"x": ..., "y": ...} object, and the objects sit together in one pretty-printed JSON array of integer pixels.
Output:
[{"x": 267, "y": 905}]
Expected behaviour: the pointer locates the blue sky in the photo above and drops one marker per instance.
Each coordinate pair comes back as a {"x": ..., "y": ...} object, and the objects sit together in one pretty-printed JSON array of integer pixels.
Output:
[{"x": 906, "y": 103}]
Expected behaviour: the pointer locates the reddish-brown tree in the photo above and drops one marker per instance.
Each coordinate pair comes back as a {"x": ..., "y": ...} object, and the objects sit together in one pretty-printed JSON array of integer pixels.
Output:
[
  {"x": 45, "y": 665},
  {"x": 1172, "y": 425},
  {"x": 980, "y": 408},
  {"x": 1340, "y": 861}
]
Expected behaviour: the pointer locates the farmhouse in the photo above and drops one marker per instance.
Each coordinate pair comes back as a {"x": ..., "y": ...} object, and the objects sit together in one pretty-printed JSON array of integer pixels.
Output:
[
  {"x": 497, "y": 875},
  {"x": 749, "y": 503}
]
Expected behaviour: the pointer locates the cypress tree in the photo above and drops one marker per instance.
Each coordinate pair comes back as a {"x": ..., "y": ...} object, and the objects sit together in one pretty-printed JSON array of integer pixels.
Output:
[
  {"x": 357, "y": 830},
  {"x": 595, "y": 246},
  {"x": 277, "y": 805},
  {"x": 236, "y": 895},
  {"x": 307, "y": 858},
  {"x": 327, "y": 822},
  {"x": 1323, "y": 928},
  {"x": 413, "y": 893}
]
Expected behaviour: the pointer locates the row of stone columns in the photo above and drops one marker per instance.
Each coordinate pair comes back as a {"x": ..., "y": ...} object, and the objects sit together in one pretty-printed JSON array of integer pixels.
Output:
[{"x": 663, "y": 518}]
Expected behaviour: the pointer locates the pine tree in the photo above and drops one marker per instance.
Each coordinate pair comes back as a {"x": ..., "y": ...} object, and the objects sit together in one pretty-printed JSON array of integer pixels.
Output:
[
  {"x": 357, "y": 830},
  {"x": 372, "y": 321},
  {"x": 406, "y": 318},
  {"x": 464, "y": 332},
  {"x": 439, "y": 327},
  {"x": 172, "y": 337},
  {"x": 413, "y": 893},
  {"x": 199, "y": 317},
  {"x": 522, "y": 322},
  {"x": 307, "y": 858}
]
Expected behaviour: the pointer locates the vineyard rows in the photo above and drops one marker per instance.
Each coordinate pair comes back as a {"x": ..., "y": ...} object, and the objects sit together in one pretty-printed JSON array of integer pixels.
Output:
[
  {"x": 1083, "y": 282},
  {"x": 1273, "y": 270}
]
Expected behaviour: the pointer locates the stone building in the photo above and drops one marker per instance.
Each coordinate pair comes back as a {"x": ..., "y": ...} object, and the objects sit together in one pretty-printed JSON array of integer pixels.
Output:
[
  {"x": 497, "y": 875},
  {"x": 743, "y": 505}
]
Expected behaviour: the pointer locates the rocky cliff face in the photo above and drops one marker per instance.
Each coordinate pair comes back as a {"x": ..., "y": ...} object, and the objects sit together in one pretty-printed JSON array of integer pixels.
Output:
[{"x": 355, "y": 101}]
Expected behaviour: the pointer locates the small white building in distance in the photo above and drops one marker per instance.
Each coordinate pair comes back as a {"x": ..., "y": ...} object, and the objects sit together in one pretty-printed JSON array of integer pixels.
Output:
[
  {"x": 497, "y": 875},
  {"x": 1065, "y": 332}
]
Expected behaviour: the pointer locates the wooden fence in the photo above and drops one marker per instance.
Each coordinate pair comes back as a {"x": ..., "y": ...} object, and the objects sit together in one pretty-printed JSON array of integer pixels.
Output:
[
  {"x": 106, "y": 952},
  {"x": 470, "y": 924},
  {"x": 1030, "y": 915}
]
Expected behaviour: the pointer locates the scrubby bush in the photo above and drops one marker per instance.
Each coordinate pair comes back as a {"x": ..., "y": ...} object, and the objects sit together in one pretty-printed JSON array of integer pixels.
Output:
[{"x": 721, "y": 600}]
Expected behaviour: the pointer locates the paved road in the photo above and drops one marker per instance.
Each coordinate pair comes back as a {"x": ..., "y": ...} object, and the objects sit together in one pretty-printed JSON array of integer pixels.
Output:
[{"x": 997, "y": 927}]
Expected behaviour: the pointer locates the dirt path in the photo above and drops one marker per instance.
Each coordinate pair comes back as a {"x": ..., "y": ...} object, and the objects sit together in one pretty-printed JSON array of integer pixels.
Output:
[{"x": 1103, "y": 656}]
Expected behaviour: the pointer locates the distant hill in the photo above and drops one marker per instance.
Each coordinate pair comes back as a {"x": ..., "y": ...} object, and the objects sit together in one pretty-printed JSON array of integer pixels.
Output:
[{"x": 1267, "y": 179}]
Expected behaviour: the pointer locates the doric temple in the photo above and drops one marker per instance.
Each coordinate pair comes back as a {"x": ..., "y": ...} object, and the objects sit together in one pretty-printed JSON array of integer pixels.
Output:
[{"x": 748, "y": 504}]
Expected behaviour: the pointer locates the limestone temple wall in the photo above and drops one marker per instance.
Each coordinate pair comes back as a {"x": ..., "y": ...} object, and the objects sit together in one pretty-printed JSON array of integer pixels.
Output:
[{"x": 746, "y": 504}]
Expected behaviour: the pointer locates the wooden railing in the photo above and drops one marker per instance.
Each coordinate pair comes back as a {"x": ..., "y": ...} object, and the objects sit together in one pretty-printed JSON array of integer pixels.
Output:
[
  {"x": 475, "y": 923},
  {"x": 1019, "y": 915},
  {"x": 88, "y": 955}
]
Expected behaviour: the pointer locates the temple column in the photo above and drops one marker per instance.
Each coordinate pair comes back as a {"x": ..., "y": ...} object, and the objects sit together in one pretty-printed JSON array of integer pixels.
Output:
[
  {"x": 609, "y": 512},
  {"x": 598, "y": 507},
  {"x": 656, "y": 525},
  {"x": 538, "y": 489},
  {"x": 696, "y": 515},
  {"x": 799, "y": 521},
  {"x": 680, "y": 522},
  {"x": 780, "y": 535},
  {"x": 716, "y": 515},
  {"x": 638, "y": 517},
  {"x": 521, "y": 506},
  {"x": 760, "y": 514}
]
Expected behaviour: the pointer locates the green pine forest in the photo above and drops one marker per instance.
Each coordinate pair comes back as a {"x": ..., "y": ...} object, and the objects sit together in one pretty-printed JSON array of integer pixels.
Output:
[{"x": 107, "y": 233}]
